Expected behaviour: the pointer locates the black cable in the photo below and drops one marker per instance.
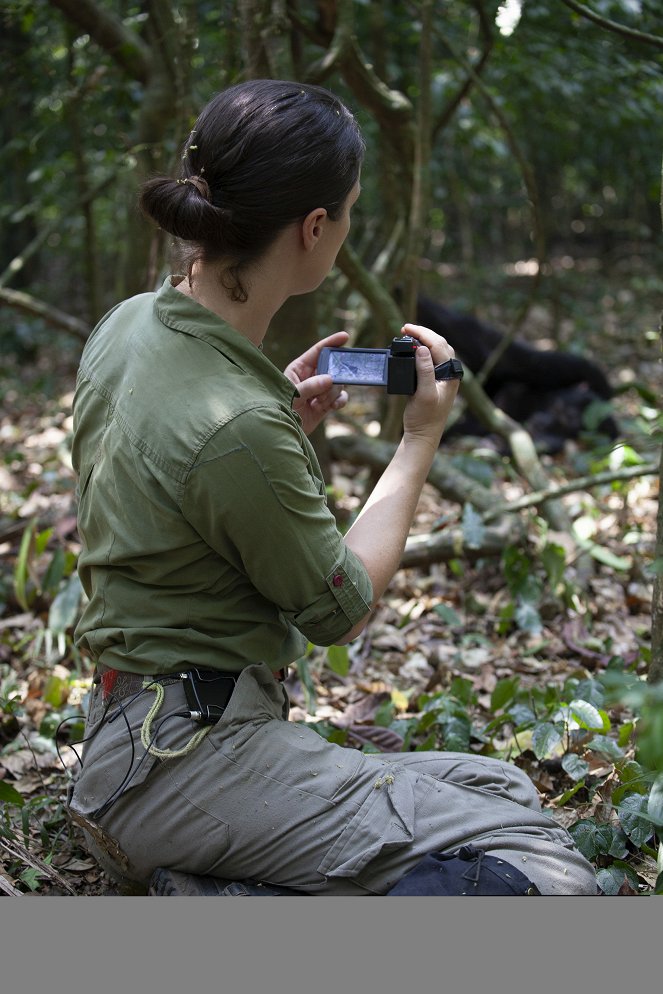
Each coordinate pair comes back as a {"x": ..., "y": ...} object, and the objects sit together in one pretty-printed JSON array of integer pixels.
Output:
[
  {"x": 112, "y": 718},
  {"x": 127, "y": 777},
  {"x": 131, "y": 773},
  {"x": 86, "y": 738}
]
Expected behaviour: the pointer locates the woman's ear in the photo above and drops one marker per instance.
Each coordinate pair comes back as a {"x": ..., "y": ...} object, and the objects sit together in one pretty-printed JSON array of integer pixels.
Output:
[{"x": 312, "y": 227}]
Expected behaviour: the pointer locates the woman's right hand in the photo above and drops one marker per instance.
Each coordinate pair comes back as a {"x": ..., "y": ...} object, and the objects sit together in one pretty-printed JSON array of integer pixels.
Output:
[{"x": 427, "y": 410}]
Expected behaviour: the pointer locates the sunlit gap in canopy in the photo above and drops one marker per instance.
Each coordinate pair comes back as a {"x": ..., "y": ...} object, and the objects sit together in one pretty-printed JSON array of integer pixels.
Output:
[{"x": 508, "y": 15}]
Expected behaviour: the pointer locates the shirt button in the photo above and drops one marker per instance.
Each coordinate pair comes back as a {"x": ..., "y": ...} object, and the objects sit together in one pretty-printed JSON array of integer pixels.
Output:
[{"x": 338, "y": 580}]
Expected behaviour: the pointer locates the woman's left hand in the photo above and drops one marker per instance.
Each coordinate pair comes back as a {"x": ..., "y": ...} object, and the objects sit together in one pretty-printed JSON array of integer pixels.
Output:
[{"x": 318, "y": 394}]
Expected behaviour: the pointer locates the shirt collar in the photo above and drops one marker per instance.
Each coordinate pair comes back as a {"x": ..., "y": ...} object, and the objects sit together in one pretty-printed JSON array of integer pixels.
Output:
[{"x": 181, "y": 313}]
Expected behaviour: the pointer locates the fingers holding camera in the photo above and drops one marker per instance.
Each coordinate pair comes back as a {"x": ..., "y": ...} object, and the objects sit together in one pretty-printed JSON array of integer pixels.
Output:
[
  {"x": 439, "y": 346},
  {"x": 427, "y": 410},
  {"x": 317, "y": 396}
]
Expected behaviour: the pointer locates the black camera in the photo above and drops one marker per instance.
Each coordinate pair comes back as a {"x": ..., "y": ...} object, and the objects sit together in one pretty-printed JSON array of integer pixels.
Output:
[{"x": 393, "y": 368}]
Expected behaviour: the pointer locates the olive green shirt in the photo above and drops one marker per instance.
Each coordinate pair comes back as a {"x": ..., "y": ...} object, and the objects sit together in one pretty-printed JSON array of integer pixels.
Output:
[{"x": 206, "y": 535}]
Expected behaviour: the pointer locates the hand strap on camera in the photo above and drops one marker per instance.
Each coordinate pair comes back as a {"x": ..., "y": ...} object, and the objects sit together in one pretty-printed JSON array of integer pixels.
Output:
[{"x": 452, "y": 369}]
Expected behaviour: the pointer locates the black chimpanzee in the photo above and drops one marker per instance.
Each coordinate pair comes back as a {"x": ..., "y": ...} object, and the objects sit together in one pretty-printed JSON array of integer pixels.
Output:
[{"x": 546, "y": 391}]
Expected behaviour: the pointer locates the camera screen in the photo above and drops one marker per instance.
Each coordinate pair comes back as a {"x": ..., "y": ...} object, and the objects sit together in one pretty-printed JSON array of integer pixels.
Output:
[{"x": 347, "y": 366}]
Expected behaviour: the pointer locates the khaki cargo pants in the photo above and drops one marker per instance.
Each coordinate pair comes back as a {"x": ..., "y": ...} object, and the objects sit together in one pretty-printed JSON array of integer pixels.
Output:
[{"x": 264, "y": 798}]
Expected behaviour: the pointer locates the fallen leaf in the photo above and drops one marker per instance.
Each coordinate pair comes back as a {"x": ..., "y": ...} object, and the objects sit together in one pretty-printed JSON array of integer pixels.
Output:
[
  {"x": 384, "y": 739},
  {"x": 363, "y": 710},
  {"x": 474, "y": 659},
  {"x": 417, "y": 669}
]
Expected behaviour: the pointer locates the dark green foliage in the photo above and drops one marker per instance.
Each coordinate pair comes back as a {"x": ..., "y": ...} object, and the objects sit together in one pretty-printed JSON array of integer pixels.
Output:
[{"x": 582, "y": 104}]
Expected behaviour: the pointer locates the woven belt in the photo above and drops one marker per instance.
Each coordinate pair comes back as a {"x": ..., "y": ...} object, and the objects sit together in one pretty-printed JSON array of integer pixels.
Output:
[{"x": 120, "y": 685}]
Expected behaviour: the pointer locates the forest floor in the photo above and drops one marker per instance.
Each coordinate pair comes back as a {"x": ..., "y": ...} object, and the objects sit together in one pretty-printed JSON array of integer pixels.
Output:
[{"x": 446, "y": 660}]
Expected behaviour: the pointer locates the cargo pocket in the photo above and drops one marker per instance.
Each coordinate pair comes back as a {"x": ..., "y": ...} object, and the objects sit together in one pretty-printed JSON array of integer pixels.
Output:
[{"x": 384, "y": 822}]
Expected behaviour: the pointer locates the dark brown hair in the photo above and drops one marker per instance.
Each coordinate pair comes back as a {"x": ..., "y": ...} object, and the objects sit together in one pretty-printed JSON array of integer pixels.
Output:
[{"x": 269, "y": 151}]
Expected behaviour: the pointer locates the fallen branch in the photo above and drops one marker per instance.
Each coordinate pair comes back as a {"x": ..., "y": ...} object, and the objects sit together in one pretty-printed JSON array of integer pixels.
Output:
[
  {"x": 573, "y": 486},
  {"x": 18, "y": 852},
  {"x": 376, "y": 454},
  {"x": 437, "y": 547},
  {"x": 47, "y": 312},
  {"x": 520, "y": 443},
  {"x": 421, "y": 550},
  {"x": 7, "y": 887}
]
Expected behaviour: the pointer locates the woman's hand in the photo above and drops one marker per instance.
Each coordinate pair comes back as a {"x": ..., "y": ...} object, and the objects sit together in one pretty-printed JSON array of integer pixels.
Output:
[
  {"x": 318, "y": 394},
  {"x": 427, "y": 410}
]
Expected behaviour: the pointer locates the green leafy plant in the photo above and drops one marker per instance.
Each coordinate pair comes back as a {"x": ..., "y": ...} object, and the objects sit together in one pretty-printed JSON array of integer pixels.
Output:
[
  {"x": 529, "y": 580},
  {"x": 33, "y": 579},
  {"x": 35, "y": 830},
  {"x": 600, "y": 739},
  {"x": 32, "y": 833},
  {"x": 571, "y": 728},
  {"x": 47, "y": 577}
]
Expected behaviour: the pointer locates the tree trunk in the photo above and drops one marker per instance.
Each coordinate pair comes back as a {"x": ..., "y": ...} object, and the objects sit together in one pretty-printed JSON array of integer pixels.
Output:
[
  {"x": 656, "y": 665},
  {"x": 164, "y": 111},
  {"x": 160, "y": 63},
  {"x": 655, "y": 674},
  {"x": 75, "y": 117},
  {"x": 16, "y": 107}
]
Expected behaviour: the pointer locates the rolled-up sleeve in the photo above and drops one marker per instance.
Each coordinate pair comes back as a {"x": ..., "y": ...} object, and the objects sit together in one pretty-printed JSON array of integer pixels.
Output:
[
  {"x": 256, "y": 498},
  {"x": 345, "y": 601}
]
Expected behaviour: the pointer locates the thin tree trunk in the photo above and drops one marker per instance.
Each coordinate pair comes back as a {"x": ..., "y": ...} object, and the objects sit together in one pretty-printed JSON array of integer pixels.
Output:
[
  {"x": 164, "y": 109},
  {"x": 419, "y": 204},
  {"x": 90, "y": 255},
  {"x": 655, "y": 674}
]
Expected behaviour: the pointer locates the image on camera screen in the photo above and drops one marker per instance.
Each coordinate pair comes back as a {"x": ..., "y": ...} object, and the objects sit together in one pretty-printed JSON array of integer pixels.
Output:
[{"x": 357, "y": 367}]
